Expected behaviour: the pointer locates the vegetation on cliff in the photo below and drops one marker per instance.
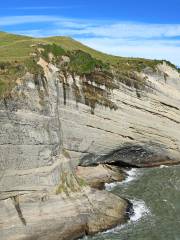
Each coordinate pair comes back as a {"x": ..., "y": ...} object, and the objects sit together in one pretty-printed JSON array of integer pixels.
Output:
[{"x": 99, "y": 73}]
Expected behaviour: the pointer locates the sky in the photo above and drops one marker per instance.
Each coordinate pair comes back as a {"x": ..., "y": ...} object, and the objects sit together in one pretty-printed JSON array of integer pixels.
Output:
[{"x": 133, "y": 28}]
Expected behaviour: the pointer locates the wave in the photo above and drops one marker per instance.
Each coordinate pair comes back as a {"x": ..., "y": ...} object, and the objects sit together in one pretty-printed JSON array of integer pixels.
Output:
[
  {"x": 131, "y": 175},
  {"x": 140, "y": 210},
  {"x": 139, "y": 206},
  {"x": 163, "y": 166}
]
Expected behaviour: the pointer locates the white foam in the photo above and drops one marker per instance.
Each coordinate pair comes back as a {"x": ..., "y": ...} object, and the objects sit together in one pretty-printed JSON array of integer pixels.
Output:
[
  {"x": 131, "y": 175},
  {"x": 140, "y": 210},
  {"x": 110, "y": 186},
  {"x": 163, "y": 166},
  {"x": 139, "y": 206}
]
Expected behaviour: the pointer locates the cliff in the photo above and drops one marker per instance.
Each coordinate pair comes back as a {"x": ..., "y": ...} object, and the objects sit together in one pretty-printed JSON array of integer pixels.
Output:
[{"x": 63, "y": 106}]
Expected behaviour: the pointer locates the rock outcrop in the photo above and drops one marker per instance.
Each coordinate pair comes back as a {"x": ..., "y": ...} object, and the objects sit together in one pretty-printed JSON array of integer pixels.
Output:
[
  {"x": 43, "y": 216},
  {"x": 97, "y": 176}
]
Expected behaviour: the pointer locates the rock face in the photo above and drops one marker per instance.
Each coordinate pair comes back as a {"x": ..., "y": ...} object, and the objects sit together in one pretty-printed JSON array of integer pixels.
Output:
[
  {"x": 37, "y": 124},
  {"x": 57, "y": 217},
  {"x": 41, "y": 197},
  {"x": 45, "y": 132},
  {"x": 97, "y": 176},
  {"x": 40, "y": 132},
  {"x": 143, "y": 131}
]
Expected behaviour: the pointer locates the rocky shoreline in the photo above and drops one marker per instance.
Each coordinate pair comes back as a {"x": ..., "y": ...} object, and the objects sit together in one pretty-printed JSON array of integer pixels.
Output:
[
  {"x": 47, "y": 216},
  {"x": 97, "y": 176},
  {"x": 70, "y": 215}
]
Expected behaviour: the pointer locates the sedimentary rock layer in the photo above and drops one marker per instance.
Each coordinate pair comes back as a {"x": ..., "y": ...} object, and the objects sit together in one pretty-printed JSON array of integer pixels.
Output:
[
  {"x": 36, "y": 126},
  {"x": 51, "y": 123},
  {"x": 43, "y": 216}
]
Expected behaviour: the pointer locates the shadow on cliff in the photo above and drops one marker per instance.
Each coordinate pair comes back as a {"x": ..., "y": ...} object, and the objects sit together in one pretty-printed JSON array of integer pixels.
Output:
[{"x": 133, "y": 155}]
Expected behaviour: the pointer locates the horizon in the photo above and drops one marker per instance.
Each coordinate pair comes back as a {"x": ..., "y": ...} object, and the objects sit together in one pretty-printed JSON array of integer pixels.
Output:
[{"x": 127, "y": 29}]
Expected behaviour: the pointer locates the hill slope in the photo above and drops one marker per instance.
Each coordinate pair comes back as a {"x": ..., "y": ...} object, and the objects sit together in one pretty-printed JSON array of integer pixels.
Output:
[
  {"x": 17, "y": 47},
  {"x": 19, "y": 54}
]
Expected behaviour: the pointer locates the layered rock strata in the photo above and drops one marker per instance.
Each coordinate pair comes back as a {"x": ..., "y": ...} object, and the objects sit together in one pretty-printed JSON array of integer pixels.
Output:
[{"x": 49, "y": 126}]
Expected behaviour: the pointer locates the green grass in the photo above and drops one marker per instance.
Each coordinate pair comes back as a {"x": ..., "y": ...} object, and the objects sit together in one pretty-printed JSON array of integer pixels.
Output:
[
  {"x": 6, "y": 38},
  {"x": 83, "y": 63},
  {"x": 9, "y": 72},
  {"x": 16, "y": 47},
  {"x": 16, "y": 58},
  {"x": 53, "y": 48}
]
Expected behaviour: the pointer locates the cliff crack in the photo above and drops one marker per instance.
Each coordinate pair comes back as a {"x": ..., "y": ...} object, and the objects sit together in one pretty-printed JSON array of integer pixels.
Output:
[
  {"x": 168, "y": 105},
  {"x": 124, "y": 136},
  {"x": 15, "y": 200},
  {"x": 149, "y": 111}
]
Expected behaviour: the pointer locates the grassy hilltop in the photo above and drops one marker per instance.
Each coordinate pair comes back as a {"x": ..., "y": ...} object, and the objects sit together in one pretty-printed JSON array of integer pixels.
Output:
[
  {"x": 19, "y": 54},
  {"x": 18, "y": 47}
]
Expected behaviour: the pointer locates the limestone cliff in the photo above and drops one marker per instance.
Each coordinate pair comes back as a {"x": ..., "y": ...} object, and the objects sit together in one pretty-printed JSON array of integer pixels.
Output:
[
  {"x": 61, "y": 114},
  {"x": 43, "y": 118}
]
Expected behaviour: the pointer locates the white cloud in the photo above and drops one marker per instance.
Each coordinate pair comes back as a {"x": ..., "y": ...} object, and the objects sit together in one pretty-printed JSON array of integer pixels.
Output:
[
  {"x": 153, "y": 49},
  {"x": 127, "y": 30},
  {"x": 15, "y": 20},
  {"x": 161, "y": 41},
  {"x": 98, "y": 28}
]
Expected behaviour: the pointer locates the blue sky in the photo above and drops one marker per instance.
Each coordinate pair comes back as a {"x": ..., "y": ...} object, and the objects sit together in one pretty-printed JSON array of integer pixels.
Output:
[{"x": 135, "y": 28}]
